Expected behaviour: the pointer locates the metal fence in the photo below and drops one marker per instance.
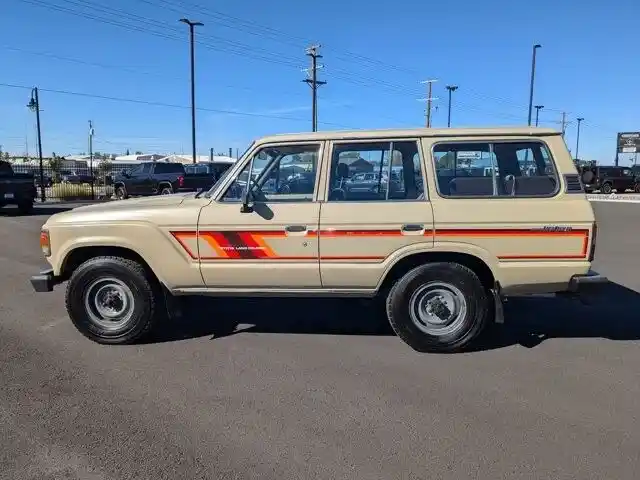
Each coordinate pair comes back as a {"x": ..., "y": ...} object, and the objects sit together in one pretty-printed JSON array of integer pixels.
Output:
[{"x": 72, "y": 185}]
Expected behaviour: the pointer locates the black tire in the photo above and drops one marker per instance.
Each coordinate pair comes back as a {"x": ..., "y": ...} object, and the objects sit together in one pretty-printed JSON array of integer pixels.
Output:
[
  {"x": 636, "y": 188},
  {"x": 25, "y": 208},
  {"x": 469, "y": 325},
  {"x": 145, "y": 297},
  {"x": 166, "y": 190},
  {"x": 121, "y": 193},
  {"x": 588, "y": 176},
  {"x": 606, "y": 188}
]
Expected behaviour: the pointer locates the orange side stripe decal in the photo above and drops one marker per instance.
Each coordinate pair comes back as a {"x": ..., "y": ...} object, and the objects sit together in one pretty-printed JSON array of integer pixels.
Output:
[{"x": 251, "y": 245}]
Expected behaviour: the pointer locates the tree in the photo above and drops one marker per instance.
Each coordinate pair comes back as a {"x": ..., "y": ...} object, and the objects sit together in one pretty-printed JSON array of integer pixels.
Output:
[
  {"x": 6, "y": 156},
  {"x": 55, "y": 164},
  {"x": 138, "y": 152},
  {"x": 127, "y": 153}
]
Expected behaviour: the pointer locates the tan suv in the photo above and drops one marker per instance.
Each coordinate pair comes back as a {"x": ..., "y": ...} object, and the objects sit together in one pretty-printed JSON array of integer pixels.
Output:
[{"x": 456, "y": 220}]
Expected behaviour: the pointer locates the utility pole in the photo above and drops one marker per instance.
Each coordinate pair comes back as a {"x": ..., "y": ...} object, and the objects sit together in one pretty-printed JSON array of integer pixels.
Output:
[
  {"x": 533, "y": 75},
  {"x": 91, "y": 132},
  {"x": 193, "y": 83},
  {"x": 314, "y": 83},
  {"x": 538, "y": 108},
  {"x": 34, "y": 105},
  {"x": 429, "y": 100},
  {"x": 211, "y": 154},
  {"x": 579, "y": 119},
  {"x": 564, "y": 123},
  {"x": 451, "y": 88}
]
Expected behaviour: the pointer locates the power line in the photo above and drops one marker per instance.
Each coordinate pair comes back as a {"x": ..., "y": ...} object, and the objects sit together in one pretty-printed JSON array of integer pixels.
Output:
[
  {"x": 232, "y": 47},
  {"x": 163, "y": 104}
]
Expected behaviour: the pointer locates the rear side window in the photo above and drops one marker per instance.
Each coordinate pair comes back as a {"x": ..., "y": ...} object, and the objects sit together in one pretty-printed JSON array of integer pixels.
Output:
[
  {"x": 169, "y": 168},
  {"x": 495, "y": 169}
]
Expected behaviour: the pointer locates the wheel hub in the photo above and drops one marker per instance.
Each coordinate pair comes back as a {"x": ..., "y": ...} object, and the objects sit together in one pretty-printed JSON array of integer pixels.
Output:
[
  {"x": 109, "y": 303},
  {"x": 438, "y": 308}
]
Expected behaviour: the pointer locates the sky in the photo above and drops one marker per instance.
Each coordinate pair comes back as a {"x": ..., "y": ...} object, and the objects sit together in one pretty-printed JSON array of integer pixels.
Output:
[{"x": 124, "y": 65}]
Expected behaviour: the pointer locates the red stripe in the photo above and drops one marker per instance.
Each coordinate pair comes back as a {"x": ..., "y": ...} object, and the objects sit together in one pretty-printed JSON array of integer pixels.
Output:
[
  {"x": 256, "y": 250},
  {"x": 221, "y": 240}
]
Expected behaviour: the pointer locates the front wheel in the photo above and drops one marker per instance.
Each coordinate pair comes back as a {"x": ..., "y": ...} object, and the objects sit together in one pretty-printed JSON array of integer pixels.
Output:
[
  {"x": 438, "y": 307},
  {"x": 111, "y": 300}
]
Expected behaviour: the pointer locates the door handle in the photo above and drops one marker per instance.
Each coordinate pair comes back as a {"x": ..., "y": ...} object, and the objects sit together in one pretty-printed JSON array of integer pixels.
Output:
[
  {"x": 295, "y": 229},
  {"x": 412, "y": 228}
]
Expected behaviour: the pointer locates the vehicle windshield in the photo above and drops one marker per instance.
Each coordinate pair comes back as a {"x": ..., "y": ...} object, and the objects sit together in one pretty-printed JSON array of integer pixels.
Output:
[{"x": 225, "y": 174}]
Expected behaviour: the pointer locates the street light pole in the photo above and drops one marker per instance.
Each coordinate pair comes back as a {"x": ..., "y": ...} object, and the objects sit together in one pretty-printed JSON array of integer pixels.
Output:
[
  {"x": 451, "y": 88},
  {"x": 34, "y": 105},
  {"x": 91, "y": 132},
  {"x": 538, "y": 108},
  {"x": 192, "y": 25},
  {"x": 580, "y": 119},
  {"x": 533, "y": 74}
]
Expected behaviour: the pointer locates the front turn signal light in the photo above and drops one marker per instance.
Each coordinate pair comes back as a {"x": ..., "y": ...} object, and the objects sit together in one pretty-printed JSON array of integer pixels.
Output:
[{"x": 45, "y": 243}]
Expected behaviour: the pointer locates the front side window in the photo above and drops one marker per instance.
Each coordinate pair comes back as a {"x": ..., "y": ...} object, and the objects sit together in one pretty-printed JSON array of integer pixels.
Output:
[
  {"x": 375, "y": 171},
  {"x": 494, "y": 169},
  {"x": 284, "y": 173}
]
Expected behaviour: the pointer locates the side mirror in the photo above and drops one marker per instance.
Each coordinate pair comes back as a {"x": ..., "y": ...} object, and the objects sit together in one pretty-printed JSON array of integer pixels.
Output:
[{"x": 247, "y": 199}]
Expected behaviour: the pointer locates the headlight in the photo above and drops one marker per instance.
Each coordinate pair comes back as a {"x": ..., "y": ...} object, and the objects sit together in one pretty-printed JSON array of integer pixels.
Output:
[{"x": 45, "y": 243}]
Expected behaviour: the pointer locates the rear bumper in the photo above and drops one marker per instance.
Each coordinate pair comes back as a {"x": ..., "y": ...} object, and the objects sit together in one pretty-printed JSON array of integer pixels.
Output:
[
  {"x": 44, "y": 281},
  {"x": 588, "y": 282}
]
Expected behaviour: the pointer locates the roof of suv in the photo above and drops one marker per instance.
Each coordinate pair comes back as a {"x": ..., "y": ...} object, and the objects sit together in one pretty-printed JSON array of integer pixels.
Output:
[{"x": 410, "y": 132}]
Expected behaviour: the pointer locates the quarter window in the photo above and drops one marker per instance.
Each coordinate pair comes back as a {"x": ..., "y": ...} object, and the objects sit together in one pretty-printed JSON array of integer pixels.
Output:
[
  {"x": 375, "y": 171},
  {"x": 278, "y": 174},
  {"x": 500, "y": 169}
]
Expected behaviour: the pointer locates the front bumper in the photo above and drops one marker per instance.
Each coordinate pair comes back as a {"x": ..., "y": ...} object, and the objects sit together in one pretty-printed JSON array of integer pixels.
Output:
[
  {"x": 44, "y": 281},
  {"x": 588, "y": 282}
]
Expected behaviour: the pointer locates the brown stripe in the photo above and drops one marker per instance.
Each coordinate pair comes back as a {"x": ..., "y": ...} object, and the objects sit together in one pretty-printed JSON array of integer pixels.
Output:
[{"x": 235, "y": 241}]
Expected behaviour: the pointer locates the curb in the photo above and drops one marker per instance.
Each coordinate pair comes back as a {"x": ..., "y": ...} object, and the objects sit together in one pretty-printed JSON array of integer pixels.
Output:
[{"x": 614, "y": 198}]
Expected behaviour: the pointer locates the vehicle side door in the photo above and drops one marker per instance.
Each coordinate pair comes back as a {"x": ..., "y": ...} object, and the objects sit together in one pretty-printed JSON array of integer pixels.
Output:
[
  {"x": 138, "y": 182},
  {"x": 273, "y": 244},
  {"x": 366, "y": 225},
  {"x": 503, "y": 200}
]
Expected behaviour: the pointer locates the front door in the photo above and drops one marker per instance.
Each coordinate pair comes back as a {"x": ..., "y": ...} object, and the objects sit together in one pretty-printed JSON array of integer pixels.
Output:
[
  {"x": 274, "y": 245},
  {"x": 376, "y": 211}
]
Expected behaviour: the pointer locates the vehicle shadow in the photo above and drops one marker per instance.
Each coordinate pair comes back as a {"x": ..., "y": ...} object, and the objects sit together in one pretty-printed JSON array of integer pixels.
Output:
[
  {"x": 612, "y": 314},
  {"x": 226, "y": 317}
]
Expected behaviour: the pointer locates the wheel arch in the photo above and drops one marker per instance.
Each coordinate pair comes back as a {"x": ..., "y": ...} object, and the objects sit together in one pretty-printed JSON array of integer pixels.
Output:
[
  {"x": 77, "y": 256},
  {"x": 406, "y": 263}
]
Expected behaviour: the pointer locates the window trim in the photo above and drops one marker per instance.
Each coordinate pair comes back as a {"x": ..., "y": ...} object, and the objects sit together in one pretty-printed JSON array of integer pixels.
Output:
[
  {"x": 495, "y": 196},
  {"x": 250, "y": 155},
  {"x": 390, "y": 141}
]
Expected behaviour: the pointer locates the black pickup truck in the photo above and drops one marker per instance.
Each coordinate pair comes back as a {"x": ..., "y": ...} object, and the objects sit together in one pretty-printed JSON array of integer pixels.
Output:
[
  {"x": 16, "y": 188},
  {"x": 162, "y": 178}
]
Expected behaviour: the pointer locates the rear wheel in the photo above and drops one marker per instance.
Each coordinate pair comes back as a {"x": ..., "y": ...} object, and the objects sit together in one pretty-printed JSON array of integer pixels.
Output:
[
  {"x": 438, "y": 307},
  {"x": 166, "y": 190},
  {"x": 636, "y": 188},
  {"x": 111, "y": 300},
  {"x": 121, "y": 193},
  {"x": 606, "y": 188}
]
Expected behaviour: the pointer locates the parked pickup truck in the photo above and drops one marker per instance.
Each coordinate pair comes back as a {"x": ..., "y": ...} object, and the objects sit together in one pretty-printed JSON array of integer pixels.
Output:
[
  {"x": 162, "y": 178},
  {"x": 437, "y": 247},
  {"x": 16, "y": 188}
]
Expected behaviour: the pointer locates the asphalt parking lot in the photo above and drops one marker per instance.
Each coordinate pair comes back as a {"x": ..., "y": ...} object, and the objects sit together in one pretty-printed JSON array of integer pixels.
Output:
[{"x": 301, "y": 390}]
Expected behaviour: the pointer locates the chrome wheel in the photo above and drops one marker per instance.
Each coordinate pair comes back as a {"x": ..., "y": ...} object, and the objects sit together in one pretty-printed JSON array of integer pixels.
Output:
[
  {"x": 109, "y": 303},
  {"x": 438, "y": 308}
]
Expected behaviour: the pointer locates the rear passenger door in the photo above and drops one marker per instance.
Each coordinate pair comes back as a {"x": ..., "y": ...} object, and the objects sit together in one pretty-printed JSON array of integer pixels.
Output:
[
  {"x": 502, "y": 196},
  {"x": 365, "y": 224}
]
